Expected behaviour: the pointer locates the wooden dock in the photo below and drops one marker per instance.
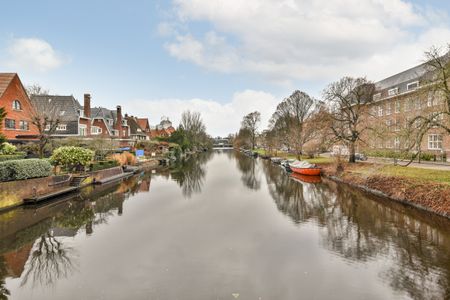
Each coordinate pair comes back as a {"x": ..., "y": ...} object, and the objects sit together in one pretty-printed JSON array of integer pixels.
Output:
[
  {"x": 113, "y": 178},
  {"x": 43, "y": 197}
]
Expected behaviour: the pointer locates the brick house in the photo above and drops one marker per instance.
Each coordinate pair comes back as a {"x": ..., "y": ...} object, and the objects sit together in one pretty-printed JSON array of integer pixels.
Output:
[
  {"x": 74, "y": 120},
  {"x": 163, "y": 129},
  {"x": 17, "y": 125},
  {"x": 136, "y": 131},
  {"x": 109, "y": 123},
  {"x": 145, "y": 125},
  {"x": 396, "y": 101}
]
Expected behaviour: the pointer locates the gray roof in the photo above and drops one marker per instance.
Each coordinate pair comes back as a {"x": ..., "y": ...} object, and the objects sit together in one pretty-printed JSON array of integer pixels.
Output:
[
  {"x": 403, "y": 78},
  {"x": 67, "y": 108},
  {"x": 104, "y": 113}
]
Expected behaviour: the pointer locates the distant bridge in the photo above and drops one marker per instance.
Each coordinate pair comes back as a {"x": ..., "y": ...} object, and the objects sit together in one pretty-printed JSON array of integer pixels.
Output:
[{"x": 222, "y": 143}]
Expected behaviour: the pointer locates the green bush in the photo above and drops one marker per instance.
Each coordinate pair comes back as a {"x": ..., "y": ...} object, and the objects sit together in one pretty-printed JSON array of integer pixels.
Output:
[
  {"x": 101, "y": 165},
  {"x": 398, "y": 154},
  {"x": 71, "y": 157},
  {"x": 15, "y": 156},
  {"x": 8, "y": 149},
  {"x": 24, "y": 169}
]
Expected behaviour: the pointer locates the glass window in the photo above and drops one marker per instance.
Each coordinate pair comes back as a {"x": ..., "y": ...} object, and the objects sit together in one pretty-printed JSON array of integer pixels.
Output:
[
  {"x": 10, "y": 124},
  {"x": 17, "y": 105},
  {"x": 61, "y": 127},
  {"x": 435, "y": 141},
  {"x": 23, "y": 125},
  {"x": 397, "y": 107},
  {"x": 388, "y": 108},
  {"x": 393, "y": 92},
  {"x": 397, "y": 142},
  {"x": 412, "y": 86}
]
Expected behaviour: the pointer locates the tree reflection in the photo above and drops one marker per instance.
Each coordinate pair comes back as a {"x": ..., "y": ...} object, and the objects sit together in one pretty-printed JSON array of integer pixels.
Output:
[
  {"x": 49, "y": 261},
  {"x": 361, "y": 229},
  {"x": 190, "y": 173},
  {"x": 4, "y": 292},
  {"x": 250, "y": 174}
]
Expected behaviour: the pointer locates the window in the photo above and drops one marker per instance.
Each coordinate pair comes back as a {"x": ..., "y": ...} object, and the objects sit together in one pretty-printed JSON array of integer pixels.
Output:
[
  {"x": 430, "y": 99},
  {"x": 397, "y": 125},
  {"x": 435, "y": 141},
  {"x": 388, "y": 108},
  {"x": 412, "y": 86},
  {"x": 409, "y": 104},
  {"x": 81, "y": 113},
  {"x": 61, "y": 127},
  {"x": 397, "y": 107},
  {"x": 16, "y": 105},
  {"x": 23, "y": 125},
  {"x": 388, "y": 123},
  {"x": 10, "y": 124},
  {"x": 397, "y": 142},
  {"x": 110, "y": 122},
  {"x": 417, "y": 103},
  {"x": 124, "y": 122},
  {"x": 377, "y": 96},
  {"x": 62, "y": 112},
  {"x": 389, "y": 143},
  {"x": 393, "y": 92},
  {"x": 47, "y": 127},
  {"x": 96, "y": 130},
  {"x": 82, "y": 130},
  {"x": 380, "y": 111},
  {"x": 124, "y": 133}
]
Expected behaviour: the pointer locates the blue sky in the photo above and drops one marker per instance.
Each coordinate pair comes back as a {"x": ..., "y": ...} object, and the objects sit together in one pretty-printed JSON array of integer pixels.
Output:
[{"x": 222, "y": 58}]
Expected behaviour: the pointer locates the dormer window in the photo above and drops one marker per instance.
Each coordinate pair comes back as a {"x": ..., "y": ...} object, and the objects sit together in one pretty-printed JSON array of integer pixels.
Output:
[
  {"x": 377, "y": 96},
  {"x": 124, "y": 122},
  {"x": 412, "y": 86},
  {"x": 110, "y": 122},
  {"x": 16, "y": 105},
  {"x": 393, "y": 92}
]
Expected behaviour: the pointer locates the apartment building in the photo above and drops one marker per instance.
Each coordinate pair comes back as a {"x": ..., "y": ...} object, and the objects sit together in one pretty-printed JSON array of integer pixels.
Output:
[{"x": 396, "y": 102}]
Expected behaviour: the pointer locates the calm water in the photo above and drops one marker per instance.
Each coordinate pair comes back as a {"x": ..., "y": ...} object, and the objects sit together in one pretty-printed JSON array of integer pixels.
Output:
[{"x": 223, "y": 226}]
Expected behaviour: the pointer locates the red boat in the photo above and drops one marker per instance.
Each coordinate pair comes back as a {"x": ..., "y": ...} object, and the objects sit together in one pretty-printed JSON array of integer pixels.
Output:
[
  {"x": 307, "y": 171},
  {"x": 306, "y": 178}
]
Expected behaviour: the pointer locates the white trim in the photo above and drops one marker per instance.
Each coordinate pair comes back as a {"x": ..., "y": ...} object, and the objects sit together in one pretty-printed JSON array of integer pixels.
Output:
[{"x": 412, "y": 83}]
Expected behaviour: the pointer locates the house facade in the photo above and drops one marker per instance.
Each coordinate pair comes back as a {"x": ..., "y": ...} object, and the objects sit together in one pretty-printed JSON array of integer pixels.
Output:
[
  {"x": 108, "y": 123},
  {"x": 136, "y": 131},
  {"x": 71, "y": 115},
  {"x": 396, "y": 102},
  {"x": 17, "y": 125}
]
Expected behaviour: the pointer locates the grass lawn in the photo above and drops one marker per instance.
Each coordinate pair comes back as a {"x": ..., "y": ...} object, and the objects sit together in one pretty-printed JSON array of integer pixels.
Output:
[{"x": 424, "y": 175}]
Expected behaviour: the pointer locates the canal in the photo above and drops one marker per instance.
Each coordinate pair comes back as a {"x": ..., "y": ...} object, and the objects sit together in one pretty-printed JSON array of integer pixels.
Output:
[{"x": 223, "y": 226}]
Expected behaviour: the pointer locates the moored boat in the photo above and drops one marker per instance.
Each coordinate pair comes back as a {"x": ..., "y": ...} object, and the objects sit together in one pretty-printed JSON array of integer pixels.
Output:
[
  {"x": 276, "y": 160},
  {"x": 305, "y": 168},
  {"x": 306, "y": 178}
]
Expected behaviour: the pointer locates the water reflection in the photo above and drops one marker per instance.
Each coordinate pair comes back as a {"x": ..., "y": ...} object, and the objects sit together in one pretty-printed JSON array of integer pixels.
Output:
[
  {"x": 49, "y": 261},
  {"x": 190, "y": 173},
  {"x": 33, "y": 240},
  {"x": 250, "y": 177},
  {"x": 360, "y": 229}
]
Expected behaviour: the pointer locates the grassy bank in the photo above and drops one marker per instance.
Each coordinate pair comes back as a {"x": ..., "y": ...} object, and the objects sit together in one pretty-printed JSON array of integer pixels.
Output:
[{"x": 423, "y": 187}]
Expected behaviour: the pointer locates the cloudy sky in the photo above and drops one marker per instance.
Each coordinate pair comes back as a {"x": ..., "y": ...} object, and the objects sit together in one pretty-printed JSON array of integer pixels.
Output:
[{"x": 222, "y": 58}]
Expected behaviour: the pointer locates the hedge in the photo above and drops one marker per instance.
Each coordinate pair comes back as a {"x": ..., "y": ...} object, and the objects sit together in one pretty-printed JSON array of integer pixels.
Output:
[
  {"x": 18, "y": 155},
  {"x": 397, "y": 154},
  {"x": 24, "y": 169},
  {"x": 101, "y": 165}
]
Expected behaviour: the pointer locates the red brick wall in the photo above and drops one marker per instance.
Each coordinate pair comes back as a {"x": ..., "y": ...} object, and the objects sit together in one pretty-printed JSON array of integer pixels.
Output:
[
  {"x": 101, "y": 124},
  {"x": 15, "y": 91},
  {"x": 86, "y": 122}
]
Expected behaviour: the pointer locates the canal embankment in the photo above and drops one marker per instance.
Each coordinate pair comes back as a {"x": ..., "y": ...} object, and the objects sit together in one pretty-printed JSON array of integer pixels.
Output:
[
  {"x": 14, "y": 193},
  {"x": 424, "y": 189}
]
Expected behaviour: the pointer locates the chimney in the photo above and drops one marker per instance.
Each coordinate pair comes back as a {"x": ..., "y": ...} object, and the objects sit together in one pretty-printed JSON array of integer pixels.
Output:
[
  {"x": 119, "y": 120},
  {"x": 87, "y": 105}
]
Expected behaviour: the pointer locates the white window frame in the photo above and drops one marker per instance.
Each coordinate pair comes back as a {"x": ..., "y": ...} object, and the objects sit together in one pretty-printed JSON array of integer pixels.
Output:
[
  {"x": 22, "y": 125},
  {"x": 435, "y": 141},
  {"x": 15, "y": 103},
  {"x": 82, "y": 128},
  {"x": 397, "y": 107},
  {"x": 388, "y": 109},
  {"x": 393, "y": 92},
  {"x": 380, "y": 110},
  {"x": 96, "y": 130},
  {"x": 408, "y": 86},
  {"x": 61, "y": 127},
  {"x": 397, "y": 142},
  {"x": 376, "y": 96}
]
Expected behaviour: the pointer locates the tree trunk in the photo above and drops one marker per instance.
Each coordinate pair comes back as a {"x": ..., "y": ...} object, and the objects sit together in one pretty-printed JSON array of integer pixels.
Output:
[{"x": 351, "y": 157}]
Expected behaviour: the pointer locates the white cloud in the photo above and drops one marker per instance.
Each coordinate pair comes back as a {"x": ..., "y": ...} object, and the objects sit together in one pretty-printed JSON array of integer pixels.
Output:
[
  {"x": 220, "y": 119},
  {"x": 33, "y": 54},
  {"x": 286, "y": 40}
]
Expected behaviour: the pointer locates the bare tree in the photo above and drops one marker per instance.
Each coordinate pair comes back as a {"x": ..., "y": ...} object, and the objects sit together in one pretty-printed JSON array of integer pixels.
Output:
[
  {"x": 2, "y": 116},
  {"x": 46, "y": 117},
  {"x": 251, "y": 123},
  {"x": 36, "y": 89},
  {"x": 195, "y": 129},
  {"x": 292, "y": 116},
  {"x": 348, "y": 99}
]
